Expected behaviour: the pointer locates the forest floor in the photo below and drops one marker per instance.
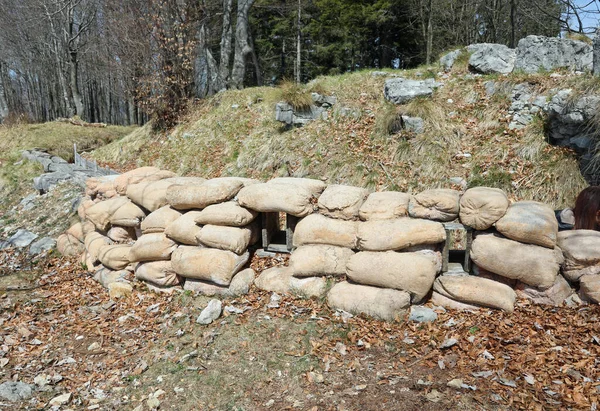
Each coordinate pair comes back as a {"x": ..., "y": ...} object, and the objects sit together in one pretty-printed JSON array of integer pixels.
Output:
[{"x": 63, "y": 334}]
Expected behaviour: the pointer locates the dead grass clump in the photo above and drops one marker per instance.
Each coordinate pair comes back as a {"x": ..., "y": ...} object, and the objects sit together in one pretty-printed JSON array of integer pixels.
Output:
[{"x": 296, "y": 95}]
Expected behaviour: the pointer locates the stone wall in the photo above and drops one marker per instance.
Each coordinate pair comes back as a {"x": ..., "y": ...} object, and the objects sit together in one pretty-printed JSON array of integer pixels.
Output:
[{"x": 364, "y": 252}]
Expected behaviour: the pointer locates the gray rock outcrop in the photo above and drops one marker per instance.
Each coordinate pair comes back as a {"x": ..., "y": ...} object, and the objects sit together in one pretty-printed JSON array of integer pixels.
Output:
[
  {"x": 401, "y": 90},
  {"x": 492, "y": 58},
  {"x": 448, "y": 59},
  {"x": 536, "y": 53},
  {"x": 16, "y": 391},
  {"x": 291, "y": 116}
]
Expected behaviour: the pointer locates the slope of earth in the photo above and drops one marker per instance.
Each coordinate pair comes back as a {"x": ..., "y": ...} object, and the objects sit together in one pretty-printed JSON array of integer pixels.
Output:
[
  {"x": 63, "y": 335},
  {"x": 466, "y": 140}
]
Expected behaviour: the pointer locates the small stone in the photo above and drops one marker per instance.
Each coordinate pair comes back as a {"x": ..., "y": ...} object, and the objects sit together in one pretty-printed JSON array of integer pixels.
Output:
[
  {"x": 274, "y": 301},
  {"x": 118, "y": 290},
  {"x": 60, "y": 400},
  {"x": 93, "y": 346},
  {"x": 153, "y": 403},
  {"x": 361, "y": 387},
  {"x": 341, "y": 348},
  {"x": 41, "y": 380},
  {"x": 422, "y": 314},
  {"x": 269, "y": 403},
  {"x": 16, "y": 391},
  {"x": 455, "y": 383},
  {"x": 210, "y": 313},
  {"x": 434, "y": 396},
  {"x": 449, "y": 342}
]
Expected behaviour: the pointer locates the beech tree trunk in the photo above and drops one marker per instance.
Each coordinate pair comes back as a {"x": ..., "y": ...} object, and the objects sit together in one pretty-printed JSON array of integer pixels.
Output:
[
  {"x": 226, "y": 36},
  {"x": 242, "y": 45},
  {"x": 3, "y": 103},
  {"x": 596, "y": 54}
]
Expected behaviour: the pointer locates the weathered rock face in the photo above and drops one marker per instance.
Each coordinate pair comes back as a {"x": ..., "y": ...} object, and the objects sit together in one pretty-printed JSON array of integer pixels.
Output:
[
  {"x": 448, "y": 59},
  {"x": 548, "y": 53},
  {"x": 581, "y": 249},
  {"x": 292, "y": 116},
  {"x": 475, "y": 290},
  {"x": 401, "y": 90},
  {"x": 492, "y": 58},
  {"x": 481, "y": 207}
]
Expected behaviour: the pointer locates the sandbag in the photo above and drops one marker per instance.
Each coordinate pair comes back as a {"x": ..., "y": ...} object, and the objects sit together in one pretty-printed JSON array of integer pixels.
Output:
[
  {"x": 530, "y": 222},
  {"x": 531, "y": 264},
  {"x": 438, "y": 204},
  {"x": 100, "y": 213},
  {"x": 319, "y": 260},
  {"x": 229, "y": 213},
  {"x": 240, "y": 285},
  {"x": 410, "y": 272},
  {"x": 76, "y": 230},
  {"x": 397, "y": 234},
  {"x": 475, "y": 290},
  {"x": 384, "y": 205},
  {"x": 217, "y": 266},
  {"x": 440, "y": 300},
  {"x": 152, "y": 247},
  {"x": 274, "y": 279},
  {"x": 316, "y": 187},
  {"x": 151, "y": 195},
  {"x": 159, "y": 273},
  {"x": 187, "y": 181},
  {"x": 555, "y": 295},
  {"x": 285, "y": 197},
  {"x": 481, "y": 207},
  {"x": 188, "y": 197},
  {"x": 581, "y": 250},
  {"x": 94, "y": 241},
  {"x": 343, "y": 202},
  {"x": 318, "y": 229},
  {"x": 68, "y": 245},
  {"x": 115, "y": 256},
  {"x": 128, "y": 215},
  {"x": 106, "y": 276},
  {"x": 121, "y": 234},
  {"x": 184, "y": 229},
  {"x": 589, "y": 287},
  {"x": 85, "y": 204},
  {"x": 87, "y": 227},
  {"x": 138, "y": 175},
  {"x": 236, "y": 239},
  {"x": 158, "y": 220},
  {"x": 382, "y": 303}
]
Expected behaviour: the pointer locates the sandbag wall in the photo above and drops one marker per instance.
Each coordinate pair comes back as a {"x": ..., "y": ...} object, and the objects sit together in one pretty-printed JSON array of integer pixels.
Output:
[{"x": 375, "y": 253}]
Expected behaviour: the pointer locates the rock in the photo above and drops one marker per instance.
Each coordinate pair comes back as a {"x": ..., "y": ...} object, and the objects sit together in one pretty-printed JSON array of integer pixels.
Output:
[
  {"x": 492, "y": 58},
  {"x": 413, "y": 124},
  {"x": 436, "y": 204},
  {"x": 589, "y": 287},
  {"x": 217, "y": 266},
  {"x": 555, "y": 295},
  {"x": 381, "y": 303},
  {"x": 318, "y": 229},
  {"x": 410, "y": 272},
  {"x": 157, "y": 221},
  {"x": 531, "y": 264},
  {"x": 400, "y": 90},
  {"x": 422, "y": 314},
  {"x": 184, "y": 229},
  {"x": 398, "y": 234},
  {"x": 240, "y": 285},
  {"x": 22, "y": 238},
  {"x": 384, "y": 205},
  {"x": 481, "y": 207},
  {"x": 581, "y": 250},
  {"x": 448, "y": 59},
  {"x": 299, "y": 116},
  {"x": 118, "y": 290},
  {"x": 153, "y": 403},
  {"x": 319, "y": 260},
  {"x": 16, "y": 391},
  {"x": 43, "y": 245},
  {"x": 530, "y": 222},
  {"x": 210, "y": 313},
  {"x": 342, "y": 202},
  {"x": 535, "y": 53},
  {"x": 275, "y": 279},
  {"x": 476, "y": 291}
]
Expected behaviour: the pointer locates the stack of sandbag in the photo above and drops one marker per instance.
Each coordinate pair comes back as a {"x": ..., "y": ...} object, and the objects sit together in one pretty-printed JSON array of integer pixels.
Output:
[{"x": 581, "y": 250}]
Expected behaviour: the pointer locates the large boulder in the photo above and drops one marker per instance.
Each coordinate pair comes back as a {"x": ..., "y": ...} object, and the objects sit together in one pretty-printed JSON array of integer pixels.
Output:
[
  {"x": 436, "y": 204},
  {"x": 152, "y": 247},
  {"x": 229, "y": 213},
  {"x": 535, "y": 53},
  {"x": 477, "y": 291},
  {"x": 492, "y": 59},
  {"x": 217, "y": 190},
  {"x": 319, "y": 260},
  {"x": 530, "y": 222},
  {"x": 318, "y": 229},
  {"x": 343, "y": 202},
  {"x": 581, "y": 250},
  {"x": 448, "y": 59},
  {"x": 398, "y": 234},
  {"x": 236, "y": 239},
  {"x": 160, "y": 273},
  {"x": 384, "y": 205},
  {"x": 410, "y": 272},
  {"x": 138, "y": 175},
  {"x": 531, "y": 264},
  {"x": 554, "y": 295},
  {"x": 400, "y": 90},
  {"x": 240, "y": 285},
  {"x": 115, "y": 256},
  {"x": 157, "y": 221},
  {"x": 382, "y": 303},
  {"x": 184, "y": 229},
  {"x": 589, "y": 287},
  {"x": 481, "y": 207},
  {"x": 209, "y": 264},
  {"x": 291, "y": 196}
]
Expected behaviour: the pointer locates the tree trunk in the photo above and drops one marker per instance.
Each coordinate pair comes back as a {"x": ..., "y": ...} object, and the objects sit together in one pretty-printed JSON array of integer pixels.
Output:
[
  {"x": 77, "y": 98},
  {"x": 226, "y": 36},
  {"x": 3, "y": 103},
  {"x": 596, "y": 54},
  {"x": 513, "y": 22},
  {"x": 255, "y": 61},
  {"x": 242, "y": 46},
  {"x": 429, "y": 45},
  {"x": 299, "y": 44}
]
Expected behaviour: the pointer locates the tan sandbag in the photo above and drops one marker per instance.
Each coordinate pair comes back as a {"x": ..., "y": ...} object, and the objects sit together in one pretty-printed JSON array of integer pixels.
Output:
[
  {"x": 76, "y": 230},
  {"x": 581, "y": 249},
  {"x": 229, "y": 213},
  {"x": 217, "y": 266},
  {"x": 530, "y": 222},
  {"x": 94, "y": 241},
  {"x": 285, "y": 197},
  {"x": 240, "y": 285},
  {"x": 475, "y": 290},
  {"x": 157, "y": 221},
  {"x": 315, "y": 187},
  {"x": 589, "y": 287},
  {"x": 397, "y": 234},
  {"x": 68, "y": 245},
  {"x": 86, "y": 203},
  {"x": 319, "y": 260},
  {"x": 159, "y": 273},
  {"x": 245, "y": 181},
  {"x": 138, "y": 175},
  {"x": 100, "y": 213},
  {"x": 384, "y": 205},
  {"x": 106, "y": 186},
  {"x": 382, "y": 303},
  {"x": 91, "y": 184},
  {"x": 152, "y": 247},
  {"x": 410, "y": 272},
  {"x": 450, "y": 304},
  {"x": 555, "y": 295},
  {"x": 481, "y": 207},
  {"x": 150, "y": 195},
  {"x": 184, "y": 229},
  {"x": 236, "y": 239},
  {"x": 343, "y": 202},
  {"x": 121, "y": 234},
  {"x": 531, "y": 264},
  {"x": 187, "y": 181},
  {"x": 87, "y": 227},
  {"x": 188, "y": 197},
  {"x": 274, "y": 279},
  {"x": 115, "y": 256},
  {"x": 128, "y": 215},
  {"x": 309, "y": 287},
  {"x": 439, "y": 204},
  {"x": 318, "y": 229},
  {"x": 106, "y": 276}
]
